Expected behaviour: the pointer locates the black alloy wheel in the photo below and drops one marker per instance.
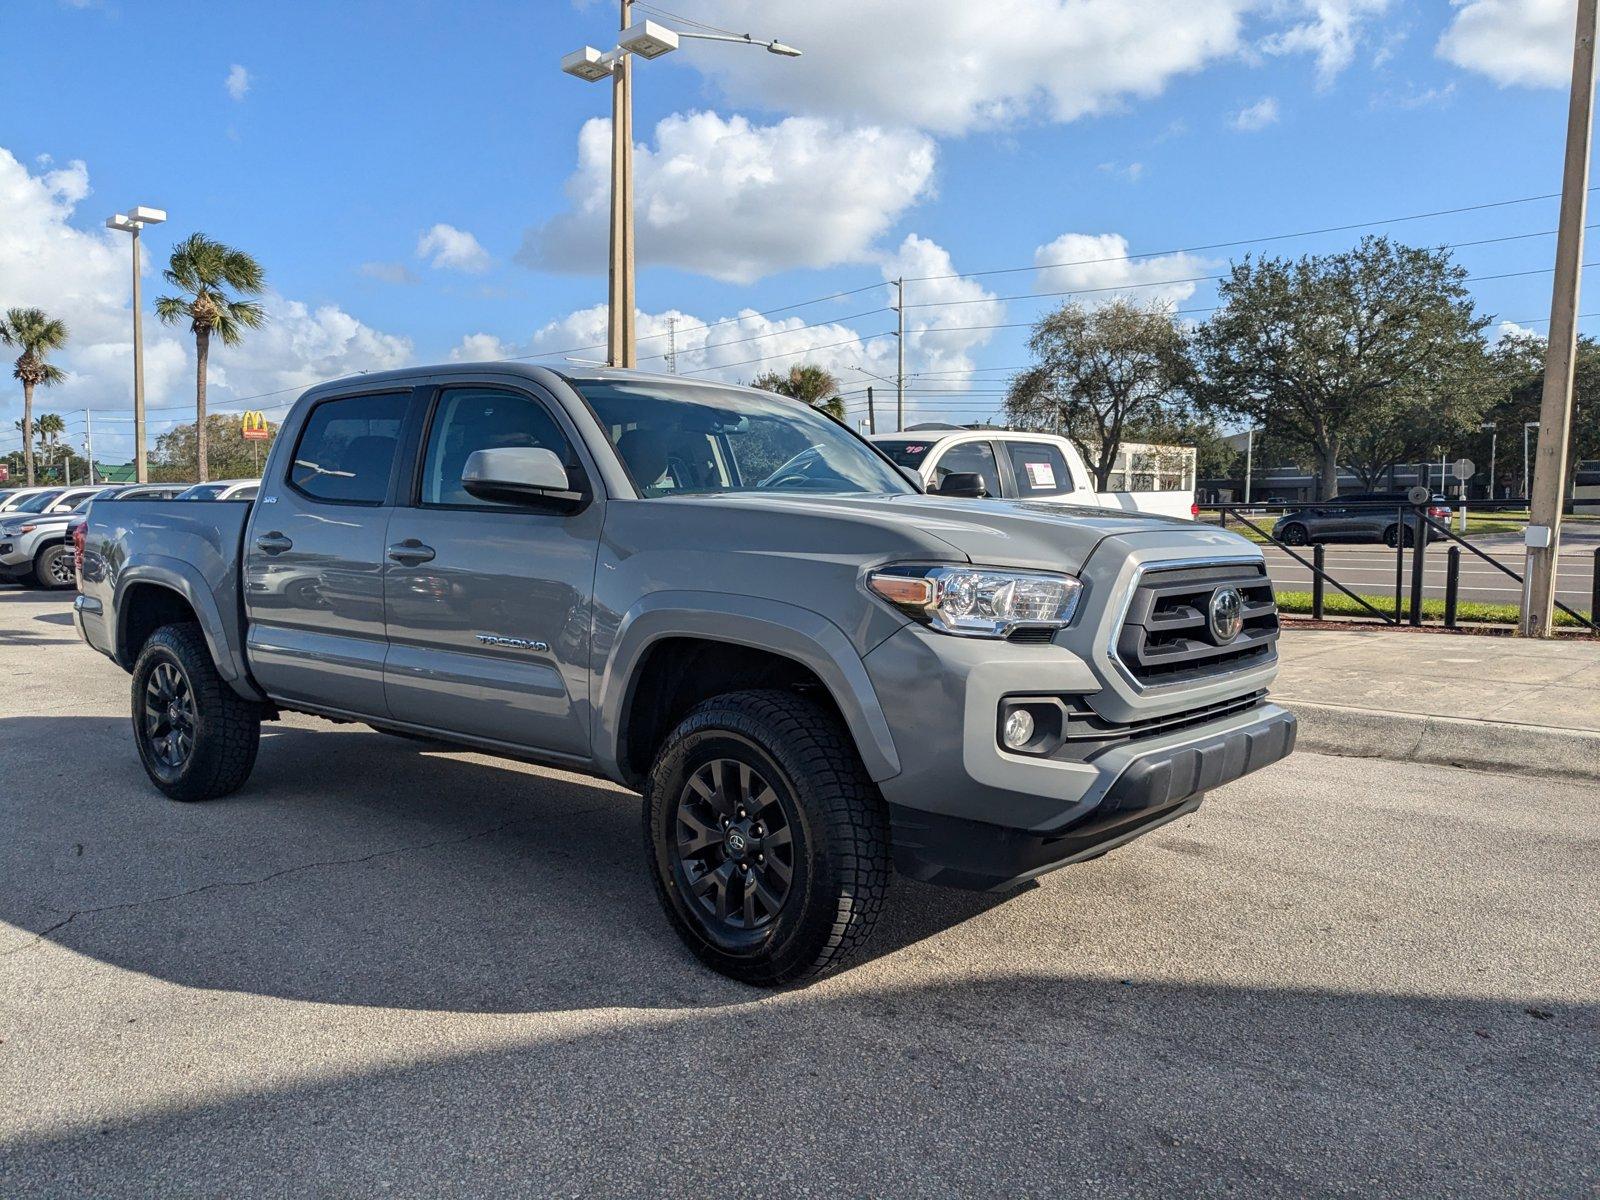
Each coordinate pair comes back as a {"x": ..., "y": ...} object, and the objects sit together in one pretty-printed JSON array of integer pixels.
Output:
[
  {"x": 733, "y": 849},
  {"x": 169, "y": 717},
  {"x": 1294, "y": 535}
]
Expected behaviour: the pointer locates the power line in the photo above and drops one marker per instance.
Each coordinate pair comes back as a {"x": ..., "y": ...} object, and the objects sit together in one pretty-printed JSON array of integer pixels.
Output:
[{"x": 1276, "y": 237}]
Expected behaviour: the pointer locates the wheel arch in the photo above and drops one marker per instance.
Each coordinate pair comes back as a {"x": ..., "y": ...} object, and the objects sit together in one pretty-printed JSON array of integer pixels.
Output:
[
  {"x": 673, "y": 650},
  {"x": 152, "y": 594}
]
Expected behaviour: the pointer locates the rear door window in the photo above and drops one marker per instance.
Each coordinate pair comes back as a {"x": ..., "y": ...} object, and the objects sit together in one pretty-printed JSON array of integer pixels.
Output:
[
  {"x": 347, "y": 448},
  {"x": 1040, "y": 468}
]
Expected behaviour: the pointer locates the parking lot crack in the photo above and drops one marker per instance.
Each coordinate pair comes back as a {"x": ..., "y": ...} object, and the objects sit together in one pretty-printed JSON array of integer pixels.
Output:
[{"x": 247, "y": 883}]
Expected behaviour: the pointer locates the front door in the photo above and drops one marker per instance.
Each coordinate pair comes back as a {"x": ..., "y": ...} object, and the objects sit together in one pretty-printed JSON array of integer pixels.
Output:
[
  {"x": 488, "y": 603},
  {"x": 314, "y": 558}
]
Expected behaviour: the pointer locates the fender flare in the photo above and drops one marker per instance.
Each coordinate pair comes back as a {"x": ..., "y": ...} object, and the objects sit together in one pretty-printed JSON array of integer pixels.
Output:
[
  {"x": 794, "y": 632},
  {"x": 178, "y": 576}
]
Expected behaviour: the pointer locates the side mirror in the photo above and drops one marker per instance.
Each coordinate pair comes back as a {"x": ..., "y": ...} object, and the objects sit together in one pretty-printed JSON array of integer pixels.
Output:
[
  {"x": 963, "y": 483},
  {"x": 913, "y": 477},
  {"x": 529, "y": 475}
]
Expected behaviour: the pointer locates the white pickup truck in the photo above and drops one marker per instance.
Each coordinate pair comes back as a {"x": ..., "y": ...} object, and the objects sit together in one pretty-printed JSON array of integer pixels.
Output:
[{"x": 1017, "y": 466}]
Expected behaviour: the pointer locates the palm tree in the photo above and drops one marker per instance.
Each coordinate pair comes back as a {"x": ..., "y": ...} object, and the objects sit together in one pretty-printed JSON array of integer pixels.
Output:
[
  {"x": 808, "y": 383},
  {"x": 37, "y": 334},
  {"x": 50, "y": 427},
  {"x": 205, "y": 269}
]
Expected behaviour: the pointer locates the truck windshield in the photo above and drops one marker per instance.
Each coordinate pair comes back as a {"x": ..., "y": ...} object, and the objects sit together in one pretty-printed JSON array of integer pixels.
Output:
[
  {"x": 683, "y": 439},
  {"x": 38, "y": 503},
  {"x": 908, "y": 452}
]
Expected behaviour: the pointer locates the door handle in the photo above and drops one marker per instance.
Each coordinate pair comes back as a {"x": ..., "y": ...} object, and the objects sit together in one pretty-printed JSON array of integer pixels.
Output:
[
  {"x": 273, "y": 543},
  {"x": 411, "y": 552}
]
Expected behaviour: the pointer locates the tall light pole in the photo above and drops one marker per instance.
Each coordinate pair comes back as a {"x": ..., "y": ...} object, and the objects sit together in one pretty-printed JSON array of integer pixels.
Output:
[
  {"x": 1543, "y": 537},
  {"x": 1526, "y": 425},
  {"x": 645, "y": 40},
  {"x": 1493, "y": 431},
  {"x": 132, "y": 221}
]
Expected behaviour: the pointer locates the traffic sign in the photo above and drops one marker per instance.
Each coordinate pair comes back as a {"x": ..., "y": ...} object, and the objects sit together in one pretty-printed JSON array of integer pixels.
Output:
[
  {"x": 1464, "y": 468},
  {"x": 253, "y": 427}
]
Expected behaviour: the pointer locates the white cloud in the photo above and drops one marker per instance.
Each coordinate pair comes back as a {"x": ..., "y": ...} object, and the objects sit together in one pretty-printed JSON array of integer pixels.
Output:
[
  {"x": 736, "y": 201},
  {"x": 1132, "y": 172},
  {"x": 1257, "y": 116},
  {"x": 388, "y": 272},
  {"x": 951, "y": 66},
  {"x": 940, "y": 337},
  {"x": 1521, "y": 42},
  {"x": 453, "y": 249},
  {"x": 238, "y": 82},
  {"x": 1510, "y": 329},
  {"x": 82, "y": 278},
  {"x": 1098, "y": 267},
  {"x": 1330, "y": 31}
]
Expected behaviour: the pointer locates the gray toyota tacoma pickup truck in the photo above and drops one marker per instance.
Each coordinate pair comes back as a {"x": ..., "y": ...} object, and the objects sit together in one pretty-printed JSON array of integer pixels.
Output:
[{"x": 718, "y": 597}]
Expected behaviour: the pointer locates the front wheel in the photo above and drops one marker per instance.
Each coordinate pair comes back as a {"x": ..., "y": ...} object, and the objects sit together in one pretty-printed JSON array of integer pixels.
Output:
[
  {"x": 768, "y": 843},
  {"x": 1294, "y": 535},
  {"x": 53, "y": 567},
  {"x": 197, "y": 737}
]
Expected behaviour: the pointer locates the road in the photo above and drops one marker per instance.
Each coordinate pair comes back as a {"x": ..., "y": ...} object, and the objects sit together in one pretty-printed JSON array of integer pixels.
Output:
[
  {"x": 386, "y": 967},
  {"x": 1370, "y": 570}
]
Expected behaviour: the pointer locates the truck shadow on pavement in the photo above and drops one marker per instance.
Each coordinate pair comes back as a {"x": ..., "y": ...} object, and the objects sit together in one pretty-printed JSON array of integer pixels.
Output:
[
  {"x": 1035, "y": 1084},
  {"x": 363, "y": 869}
]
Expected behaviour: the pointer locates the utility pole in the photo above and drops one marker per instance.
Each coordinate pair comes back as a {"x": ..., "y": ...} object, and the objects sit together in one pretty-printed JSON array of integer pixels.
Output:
[
  {"x": 672, "y": 345},
  {"x": 900, "y": 369},
  {"x": 88, "y": 440},
  {"x": 1543, "y": 535},
  {"x": 872, "y": 418}
]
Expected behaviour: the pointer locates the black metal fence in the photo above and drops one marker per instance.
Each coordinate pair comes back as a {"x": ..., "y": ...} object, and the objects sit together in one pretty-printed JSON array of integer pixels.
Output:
[{"x": 1403, "y": 526}]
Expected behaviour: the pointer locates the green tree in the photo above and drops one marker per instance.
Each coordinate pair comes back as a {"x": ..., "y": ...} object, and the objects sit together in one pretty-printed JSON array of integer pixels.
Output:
[
  {"x": 36, "y": 334},
  {"x": 1102, "y": 376},
  {"x": 1515, "y": 394},
  {"x": 1359, "y": 358},
  {"x": 206, "y": 270},
  {"x": 231, "y": 454},
  {"x": 807, "y": 383}
]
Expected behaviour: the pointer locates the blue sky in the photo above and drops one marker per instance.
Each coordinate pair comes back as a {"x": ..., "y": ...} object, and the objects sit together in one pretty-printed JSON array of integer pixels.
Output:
[{"x": 413, "y": 176}]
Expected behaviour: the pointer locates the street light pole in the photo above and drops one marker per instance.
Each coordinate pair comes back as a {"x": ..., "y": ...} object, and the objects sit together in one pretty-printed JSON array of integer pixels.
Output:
[
  {"x": 132, "y": 222},
  {"x": 621, "y": 348},
  {"x": 1494, "y": 442},
  {"x": 900, "y": 350},
  {"x": 1543, "y": 535},
  {"x": 645, "y": 40},
  {"x": 1526, "y": 425},
  {"x": 1249, "y": 460}
]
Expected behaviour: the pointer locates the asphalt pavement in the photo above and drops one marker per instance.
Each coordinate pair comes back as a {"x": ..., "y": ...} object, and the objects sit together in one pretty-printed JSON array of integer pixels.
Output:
[{"x": 388, "y": 967}]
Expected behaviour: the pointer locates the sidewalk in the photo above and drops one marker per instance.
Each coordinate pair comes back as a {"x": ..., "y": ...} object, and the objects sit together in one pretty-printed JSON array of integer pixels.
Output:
[{"x": 1499, "y": 703}]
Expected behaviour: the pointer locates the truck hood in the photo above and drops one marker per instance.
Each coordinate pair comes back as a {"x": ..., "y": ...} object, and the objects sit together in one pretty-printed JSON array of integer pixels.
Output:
[{"x": 997, "y": 533}]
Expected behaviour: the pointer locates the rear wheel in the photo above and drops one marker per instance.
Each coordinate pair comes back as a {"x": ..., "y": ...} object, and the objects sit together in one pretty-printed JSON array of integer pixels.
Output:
[
  {"x": 768, "y": 843},
  {"x": 1294, "y": 535},
  {"x": 53, "y": 567},
  {"x": 197, "y": 737},
  {"x": 1391, "y": 536}
]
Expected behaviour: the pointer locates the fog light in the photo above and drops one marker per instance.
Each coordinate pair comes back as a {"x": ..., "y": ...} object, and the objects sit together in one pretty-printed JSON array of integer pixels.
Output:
[{"x": 1018, "y": 729}]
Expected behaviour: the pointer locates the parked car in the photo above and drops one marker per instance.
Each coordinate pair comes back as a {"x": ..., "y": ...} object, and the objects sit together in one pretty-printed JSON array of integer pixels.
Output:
[
  {"x": 16, "y": 498},
  {"x": 221, "y": 489},
  {"x": 1358, "y": 517},
  {"x": 34, "y": 546},
  {"x": 609, "y": 571},
  {"x": 1001, "y": 464}
]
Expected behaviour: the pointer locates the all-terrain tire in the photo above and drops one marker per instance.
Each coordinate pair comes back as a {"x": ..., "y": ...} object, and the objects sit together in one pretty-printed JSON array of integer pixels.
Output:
[
  {"x": 218, "y": 736},
  {"x": 831, "y": 810}
]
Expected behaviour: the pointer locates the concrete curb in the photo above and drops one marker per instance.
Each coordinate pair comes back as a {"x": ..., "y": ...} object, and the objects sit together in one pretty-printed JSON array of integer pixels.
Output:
[{"x": 1449, "y": 741}]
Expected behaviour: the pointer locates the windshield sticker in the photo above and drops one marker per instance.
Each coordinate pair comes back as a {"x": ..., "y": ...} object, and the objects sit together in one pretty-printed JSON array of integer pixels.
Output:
[{"x": 1041, "y": 475}]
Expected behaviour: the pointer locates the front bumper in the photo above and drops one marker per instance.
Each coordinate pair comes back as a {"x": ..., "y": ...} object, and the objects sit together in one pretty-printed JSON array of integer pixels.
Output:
[{"x": 1151, "y": 789}]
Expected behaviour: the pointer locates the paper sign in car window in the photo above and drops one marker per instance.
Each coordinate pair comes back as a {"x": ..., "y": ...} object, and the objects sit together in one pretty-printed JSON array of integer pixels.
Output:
[{"x": 1041, "y": 475}]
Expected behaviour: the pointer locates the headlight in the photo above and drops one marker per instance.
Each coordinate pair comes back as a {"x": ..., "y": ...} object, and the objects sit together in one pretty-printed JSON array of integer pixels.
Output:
[{"x": 975, "y": 601}]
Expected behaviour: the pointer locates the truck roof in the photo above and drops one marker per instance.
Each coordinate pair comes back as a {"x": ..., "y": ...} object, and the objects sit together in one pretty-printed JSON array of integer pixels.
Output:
[{"x": 541, "y": 372}]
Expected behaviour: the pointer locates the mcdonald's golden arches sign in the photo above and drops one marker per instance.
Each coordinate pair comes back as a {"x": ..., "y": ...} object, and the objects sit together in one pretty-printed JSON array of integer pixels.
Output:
[{"x": 253, "y": 425}]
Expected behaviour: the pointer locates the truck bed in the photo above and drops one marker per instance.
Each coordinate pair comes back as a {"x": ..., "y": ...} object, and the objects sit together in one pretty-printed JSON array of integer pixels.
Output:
[{"x": 191, "y": 546}]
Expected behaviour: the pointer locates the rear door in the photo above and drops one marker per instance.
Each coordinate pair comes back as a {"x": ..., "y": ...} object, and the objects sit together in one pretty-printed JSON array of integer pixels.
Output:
[
  {"x": 488, "y": 602},
  {"x": 314, "y": 557},
  {"x": 1039, "y": 471}
]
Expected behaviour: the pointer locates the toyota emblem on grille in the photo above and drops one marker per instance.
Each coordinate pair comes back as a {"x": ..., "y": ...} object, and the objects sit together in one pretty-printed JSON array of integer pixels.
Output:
[{"x": 1225, "y": 615}]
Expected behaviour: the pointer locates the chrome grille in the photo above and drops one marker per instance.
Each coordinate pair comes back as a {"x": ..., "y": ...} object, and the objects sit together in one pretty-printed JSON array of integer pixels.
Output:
[{"x": 1166, "y": 637}]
